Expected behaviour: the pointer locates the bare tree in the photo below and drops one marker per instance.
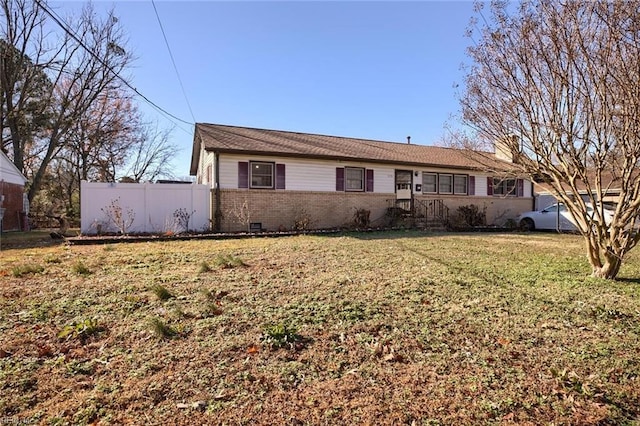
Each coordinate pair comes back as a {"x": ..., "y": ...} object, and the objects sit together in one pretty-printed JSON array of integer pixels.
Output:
[
  {"x": 84, "y": 62},
  {"x": 151, "y": 155},
  {"x": 101, "y": 140},
  {"x": 558, "y": 84}
]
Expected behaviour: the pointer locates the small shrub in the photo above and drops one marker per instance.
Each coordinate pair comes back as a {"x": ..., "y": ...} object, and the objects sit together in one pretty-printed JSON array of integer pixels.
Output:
[
  {"x": 469, "y": 216},
  {"x": 511, "y": 224},
  {"x": 80, "y": 330},
  {"x": 228, "y": 261},
  {"x": 361, "y": 218},
  {"x": 303, "y": 221},
  {"x": 161, "y": 329},
  {"x": 161, "y": 292},
  {"x": 22, "y": 270},
  {"x": 181, "y": 218},
  {"x": 241, "y": 214},
  {"x": 121, "y": 218},
  {"x": 80, "y": 268},
  {"x": 280, "y": 335}
]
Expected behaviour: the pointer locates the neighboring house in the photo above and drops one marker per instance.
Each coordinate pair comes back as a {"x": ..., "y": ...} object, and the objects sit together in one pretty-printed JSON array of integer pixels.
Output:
[
  {"x": 273, "y": 179},
  {"x": 544, "y": 196},
  {"x": 12, "y": 195}
]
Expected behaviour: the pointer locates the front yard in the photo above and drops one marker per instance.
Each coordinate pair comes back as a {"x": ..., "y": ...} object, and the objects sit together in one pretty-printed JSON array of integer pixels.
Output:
[{"x": 382, "y": 328}]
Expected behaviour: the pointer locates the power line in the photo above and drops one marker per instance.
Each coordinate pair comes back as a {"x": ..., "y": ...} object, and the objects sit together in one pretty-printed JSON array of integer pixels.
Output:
[
  {"x": 166, "y": 42},
  {"x": 74, "y": 36}
]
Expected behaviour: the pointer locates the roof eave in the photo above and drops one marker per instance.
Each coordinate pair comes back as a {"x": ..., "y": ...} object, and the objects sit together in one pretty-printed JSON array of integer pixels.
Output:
[{"x": 195, "y": 153}]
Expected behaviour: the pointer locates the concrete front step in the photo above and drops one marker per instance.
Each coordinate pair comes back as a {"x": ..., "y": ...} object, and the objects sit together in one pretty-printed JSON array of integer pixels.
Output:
[{"x": 430, "y": 225}]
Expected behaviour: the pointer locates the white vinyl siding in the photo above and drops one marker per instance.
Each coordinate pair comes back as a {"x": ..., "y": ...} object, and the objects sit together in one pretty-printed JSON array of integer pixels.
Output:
[
  {"x": 320, "y": 175},
  {"x": 206, "y": 161},
  {"x": 9, "y": 172},
  {"x": 305, "y": 175}
]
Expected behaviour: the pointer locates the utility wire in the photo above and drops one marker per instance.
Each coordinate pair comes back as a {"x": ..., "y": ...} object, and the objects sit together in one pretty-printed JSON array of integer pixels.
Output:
[
  {"x": 166, "y": 42},
  {"x": 74, "y": 36}
]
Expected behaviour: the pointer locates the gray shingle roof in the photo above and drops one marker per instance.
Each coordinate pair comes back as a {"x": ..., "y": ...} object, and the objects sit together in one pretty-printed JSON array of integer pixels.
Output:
[{"x": 233, "y": 139}]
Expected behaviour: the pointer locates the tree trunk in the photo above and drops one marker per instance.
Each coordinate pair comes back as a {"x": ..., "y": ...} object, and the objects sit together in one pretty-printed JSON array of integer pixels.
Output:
[
  {"x": 606, "y": 266},
  {"x": 608, "y": 271},
  {"x": 18, "y": 148}
]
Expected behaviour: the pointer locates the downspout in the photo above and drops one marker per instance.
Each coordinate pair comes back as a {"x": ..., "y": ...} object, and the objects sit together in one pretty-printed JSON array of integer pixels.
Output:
[
  {"x": 533, "y": 196},
  {"x": 217, "y": 215}
]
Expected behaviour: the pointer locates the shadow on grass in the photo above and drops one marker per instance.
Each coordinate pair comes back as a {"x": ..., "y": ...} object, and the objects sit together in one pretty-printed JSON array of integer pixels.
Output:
[
  {"x": 628, "y": 280},
  {"x": 391, "y": 234},
  {"x": 31, "y": 239},
  {"x": 413, "y": 233}
]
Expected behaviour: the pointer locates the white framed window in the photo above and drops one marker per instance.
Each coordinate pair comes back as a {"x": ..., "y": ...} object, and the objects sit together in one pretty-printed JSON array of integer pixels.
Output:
[
  {"x": 429, "y": 183},
  {"x": 460, "y": 184},
  {"x": 445, "y": 184},
  {"x": 354, "y": 179},
  {"x": 505, "y": 187},
  {"x": 261, "y": 174}
]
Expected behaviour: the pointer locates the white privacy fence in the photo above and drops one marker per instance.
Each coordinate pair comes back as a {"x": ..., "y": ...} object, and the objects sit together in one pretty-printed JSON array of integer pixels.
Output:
[{"x": 143, "y": 207}]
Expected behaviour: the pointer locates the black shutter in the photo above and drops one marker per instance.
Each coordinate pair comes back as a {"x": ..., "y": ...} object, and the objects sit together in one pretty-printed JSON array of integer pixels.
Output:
[
  {"x": 243, "y": 174},
  {"x": 339, "y": 178},
  {"x": 519, "y": 188},
  {"x": 280, "y": 176},
  {"x": 369, "y": 185},
  {"x": 489, "y": 186},
  {"x": 471, "y": 189}
]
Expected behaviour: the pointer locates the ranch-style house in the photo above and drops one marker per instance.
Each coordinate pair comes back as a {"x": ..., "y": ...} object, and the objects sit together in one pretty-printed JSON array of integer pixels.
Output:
[{"x": 274, "y": 180}]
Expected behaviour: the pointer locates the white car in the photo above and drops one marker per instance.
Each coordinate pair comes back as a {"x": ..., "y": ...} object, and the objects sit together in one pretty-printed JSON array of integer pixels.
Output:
[{"x": 555, "y": 217}]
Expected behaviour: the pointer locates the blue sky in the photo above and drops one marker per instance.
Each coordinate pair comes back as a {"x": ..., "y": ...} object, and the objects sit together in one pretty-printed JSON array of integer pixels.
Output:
[{"x": 374, "y": 70}]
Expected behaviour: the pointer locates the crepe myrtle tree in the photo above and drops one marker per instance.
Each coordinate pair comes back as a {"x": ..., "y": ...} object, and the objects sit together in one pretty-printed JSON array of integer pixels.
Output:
[{"x": 557, "y": 84}]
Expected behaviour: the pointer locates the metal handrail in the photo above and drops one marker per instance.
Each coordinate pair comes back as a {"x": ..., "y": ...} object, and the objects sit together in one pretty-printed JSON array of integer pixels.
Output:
[{"x": 433, "y": 209}]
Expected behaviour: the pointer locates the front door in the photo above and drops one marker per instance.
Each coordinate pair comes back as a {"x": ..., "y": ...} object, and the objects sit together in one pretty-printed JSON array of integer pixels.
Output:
[{"x": 404, "y": 184}]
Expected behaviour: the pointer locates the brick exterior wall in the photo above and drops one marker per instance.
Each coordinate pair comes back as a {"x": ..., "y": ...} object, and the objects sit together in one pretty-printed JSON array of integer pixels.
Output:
[
  {"x": 498, "y": 209},
  {"x": 278, "y": 210},
  {"x": 12, "y": 204}
]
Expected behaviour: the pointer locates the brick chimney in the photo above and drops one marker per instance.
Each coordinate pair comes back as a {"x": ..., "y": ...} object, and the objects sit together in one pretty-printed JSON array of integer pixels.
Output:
[{"x": 507, "y": 148}]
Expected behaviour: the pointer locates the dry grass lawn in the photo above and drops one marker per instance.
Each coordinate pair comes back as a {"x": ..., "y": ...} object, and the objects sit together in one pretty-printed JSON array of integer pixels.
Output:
[{"x": 383, "y": 328}]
